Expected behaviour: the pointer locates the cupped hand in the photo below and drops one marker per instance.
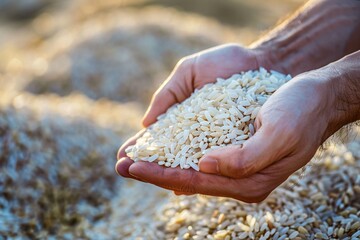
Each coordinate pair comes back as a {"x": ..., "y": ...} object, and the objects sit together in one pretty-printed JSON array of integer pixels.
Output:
[
  {"x": 196, "y": 70},
  {"x": 290, "y": 127},
  {"x": 190, "y": 73}
]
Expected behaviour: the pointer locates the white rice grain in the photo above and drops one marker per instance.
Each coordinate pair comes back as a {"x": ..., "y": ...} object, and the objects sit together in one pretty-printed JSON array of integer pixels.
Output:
[{"x": 216, "y": 115}]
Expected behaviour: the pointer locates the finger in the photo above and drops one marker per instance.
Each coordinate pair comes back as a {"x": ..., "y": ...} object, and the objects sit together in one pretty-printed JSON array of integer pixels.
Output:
[
  {"x": 174, "y": 90},
  {"x": 131, "y": 141},
  {"x": 191, "y": 181},
  {"x": 237, "y": 161},
  {"x": 123, "y": 163},
  {"x": 122, "y": 168}
]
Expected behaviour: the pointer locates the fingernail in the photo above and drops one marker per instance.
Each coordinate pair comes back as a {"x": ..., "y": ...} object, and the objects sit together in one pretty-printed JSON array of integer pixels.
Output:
[
  {"x": 209, "y": 165},
  {"x": 122, "y": 169}
]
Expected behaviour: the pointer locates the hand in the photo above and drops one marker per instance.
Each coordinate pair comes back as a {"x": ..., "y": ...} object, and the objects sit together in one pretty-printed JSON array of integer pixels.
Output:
[
  {"x": 249, "y": 173},
  {"x": 195, "y": 71},
  {"x": 190, "y": 73},
  {"x": 290, "y": 127}
]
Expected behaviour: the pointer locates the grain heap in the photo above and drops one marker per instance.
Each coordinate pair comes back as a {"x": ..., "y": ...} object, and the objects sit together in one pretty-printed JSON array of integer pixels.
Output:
[
  {"x": 131, "y": 56},
  {"x": 51, "y": 157},
  {"x": 318, "y": 202},
  {"x": 218, "y": 114}
]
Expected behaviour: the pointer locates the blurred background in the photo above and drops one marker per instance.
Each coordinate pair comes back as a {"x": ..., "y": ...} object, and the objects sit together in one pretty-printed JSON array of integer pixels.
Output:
[
  {"x": 119, "y": 49},
  {"x": 75, "y": 78}
]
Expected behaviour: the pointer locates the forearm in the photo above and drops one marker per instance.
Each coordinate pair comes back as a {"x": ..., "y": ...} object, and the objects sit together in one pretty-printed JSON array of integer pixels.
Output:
[
  {"x": 339, "y": 86},
  {"x": 321, "y": 32}
]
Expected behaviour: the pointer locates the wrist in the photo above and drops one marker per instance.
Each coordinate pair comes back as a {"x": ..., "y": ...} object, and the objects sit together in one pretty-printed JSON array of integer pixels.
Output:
[{"x": 343, "y": 86}]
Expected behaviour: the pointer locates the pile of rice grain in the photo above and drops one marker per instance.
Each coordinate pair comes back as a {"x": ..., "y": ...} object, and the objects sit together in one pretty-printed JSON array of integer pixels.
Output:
[
  {"x": 320, "y": 201},
  {"x": 218, "y": 114}
]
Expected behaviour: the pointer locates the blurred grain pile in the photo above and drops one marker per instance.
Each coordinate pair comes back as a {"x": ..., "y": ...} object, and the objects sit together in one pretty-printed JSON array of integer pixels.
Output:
[{"x": 75, "y": 77}]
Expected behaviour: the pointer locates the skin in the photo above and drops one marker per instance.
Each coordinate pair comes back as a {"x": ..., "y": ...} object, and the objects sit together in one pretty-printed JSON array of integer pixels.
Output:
[{"x": 290, "y": 126}]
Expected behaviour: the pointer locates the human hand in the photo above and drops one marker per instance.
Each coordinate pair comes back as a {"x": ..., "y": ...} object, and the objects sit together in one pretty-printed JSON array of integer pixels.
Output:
[
  {"x": 193, "y": 72},
  {"x": 289, "y": 132},
  {"x": 196, "y": 70},
  {"x": 289, "y": 128}
]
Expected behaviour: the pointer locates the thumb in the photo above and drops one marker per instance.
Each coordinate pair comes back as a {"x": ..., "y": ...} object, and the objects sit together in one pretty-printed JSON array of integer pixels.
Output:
[
  {"x": 174, "y": 90},
  {"x": 238, "y": 161}
]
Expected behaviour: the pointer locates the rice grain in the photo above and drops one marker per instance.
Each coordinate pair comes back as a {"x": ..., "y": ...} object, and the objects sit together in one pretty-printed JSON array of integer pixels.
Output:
[{"x": 214, "y": 116}]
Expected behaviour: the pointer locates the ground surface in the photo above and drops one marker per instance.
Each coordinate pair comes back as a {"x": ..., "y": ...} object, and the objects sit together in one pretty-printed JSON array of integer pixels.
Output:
[{"x": 75, "y": 79}]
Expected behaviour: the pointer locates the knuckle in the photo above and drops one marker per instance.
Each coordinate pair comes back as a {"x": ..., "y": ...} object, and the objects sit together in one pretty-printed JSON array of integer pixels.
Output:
[{"x": 240, "y": 166}]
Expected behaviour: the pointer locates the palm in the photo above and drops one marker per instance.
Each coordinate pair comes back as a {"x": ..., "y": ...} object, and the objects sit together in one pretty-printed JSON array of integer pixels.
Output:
[
  {"x": 251, "y": 172},
  {"x": 191, "y": 73}
]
